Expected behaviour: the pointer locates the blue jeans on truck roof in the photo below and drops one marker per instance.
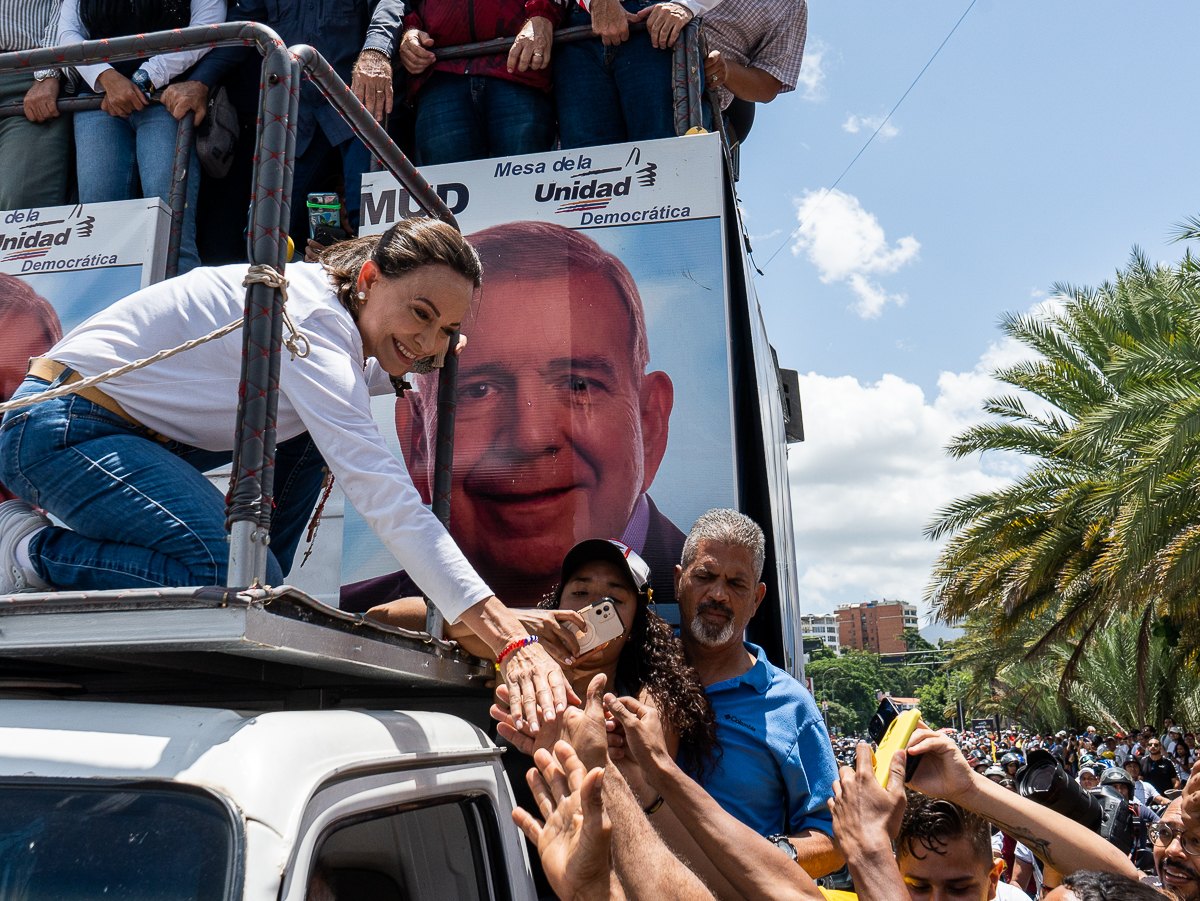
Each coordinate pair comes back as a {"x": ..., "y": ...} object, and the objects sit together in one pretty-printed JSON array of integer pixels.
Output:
[
  {"x": 607, "y": 95},
  {"x": 140, "y": 512}
]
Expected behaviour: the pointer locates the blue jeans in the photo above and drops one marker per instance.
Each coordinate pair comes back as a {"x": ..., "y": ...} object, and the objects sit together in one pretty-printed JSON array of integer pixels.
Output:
[
  {"x": 607, "y": 95},
  {"x": 473, "y": 117},
  {"x": 140, "y": 512},
  {"x": 107, "y": 149}
]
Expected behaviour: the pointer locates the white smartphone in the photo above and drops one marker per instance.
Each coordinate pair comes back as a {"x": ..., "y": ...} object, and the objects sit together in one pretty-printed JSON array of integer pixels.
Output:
[{"x": 604, "y": 624}]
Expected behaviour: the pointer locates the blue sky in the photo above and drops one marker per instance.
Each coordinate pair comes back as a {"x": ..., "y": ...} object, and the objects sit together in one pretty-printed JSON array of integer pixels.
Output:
[{"x": 1043, "y": 143}]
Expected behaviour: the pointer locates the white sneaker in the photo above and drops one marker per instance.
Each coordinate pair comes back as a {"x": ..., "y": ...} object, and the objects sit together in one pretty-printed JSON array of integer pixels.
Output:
[{"x": 18, "y": 519}]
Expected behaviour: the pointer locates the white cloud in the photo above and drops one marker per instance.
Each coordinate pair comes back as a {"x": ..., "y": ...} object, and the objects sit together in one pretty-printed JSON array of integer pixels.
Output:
[
  {"x": 873, "y": 472},
  {"x": 847, "y": 244},
  {"x": 854, "y": 124},
  {"x": 811, "y": 81}
]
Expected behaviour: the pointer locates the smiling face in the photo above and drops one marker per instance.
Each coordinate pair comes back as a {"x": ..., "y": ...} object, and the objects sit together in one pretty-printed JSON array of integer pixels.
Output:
[
  {"x": 1088, "y": 780},
  {"x": 718, "y": 594},
  {"x": 955, "y": 874},
  {"x": 1177, "y": 871},
  {"x": 586, "y": 586},
  {"x": 557, "y": 432},
  {"x": 404, "y": 319}
]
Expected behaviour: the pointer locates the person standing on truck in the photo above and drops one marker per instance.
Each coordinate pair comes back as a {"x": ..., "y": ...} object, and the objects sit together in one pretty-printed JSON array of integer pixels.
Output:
[
  {"x": 123, "y": 467},
  {"x": 487, "y": 106}
]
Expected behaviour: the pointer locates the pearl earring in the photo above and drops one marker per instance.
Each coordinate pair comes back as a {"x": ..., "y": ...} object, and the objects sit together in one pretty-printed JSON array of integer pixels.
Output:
[{"x": 362, "y": 295}]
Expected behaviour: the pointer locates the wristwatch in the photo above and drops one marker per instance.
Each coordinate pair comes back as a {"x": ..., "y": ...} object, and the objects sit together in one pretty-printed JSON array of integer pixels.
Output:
[
  {"x": 782, "y": 841},
  {"x": 44, "y": 74},
  {"x": 141, "y": 78}
]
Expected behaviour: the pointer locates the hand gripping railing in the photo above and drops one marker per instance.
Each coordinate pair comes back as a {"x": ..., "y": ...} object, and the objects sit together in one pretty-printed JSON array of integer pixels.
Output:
[{"x": 250, "y": 496}]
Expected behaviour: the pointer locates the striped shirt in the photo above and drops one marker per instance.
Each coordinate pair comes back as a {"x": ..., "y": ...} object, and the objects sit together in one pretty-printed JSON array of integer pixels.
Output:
[
  {"x": 764, "y": 34},
  {"x": 25, "y": 24}
]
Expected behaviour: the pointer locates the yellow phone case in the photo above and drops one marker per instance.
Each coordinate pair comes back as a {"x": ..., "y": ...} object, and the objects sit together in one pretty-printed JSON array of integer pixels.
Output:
[{"x": 895, "y": 739}]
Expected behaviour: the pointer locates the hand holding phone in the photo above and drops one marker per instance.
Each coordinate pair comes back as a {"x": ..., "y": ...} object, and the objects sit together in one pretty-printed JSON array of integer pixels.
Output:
[{"x": 603, "y": 625}]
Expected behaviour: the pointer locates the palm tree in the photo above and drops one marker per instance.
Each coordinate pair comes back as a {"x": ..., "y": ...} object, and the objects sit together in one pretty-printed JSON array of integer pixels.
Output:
[{"x": 1106, "y": 521}]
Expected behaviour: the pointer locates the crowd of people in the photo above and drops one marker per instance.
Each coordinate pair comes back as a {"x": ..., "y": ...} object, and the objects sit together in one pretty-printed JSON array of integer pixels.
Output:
[
  {"x": 614, "y": 87},
  {"x": 695, "y": 769}
]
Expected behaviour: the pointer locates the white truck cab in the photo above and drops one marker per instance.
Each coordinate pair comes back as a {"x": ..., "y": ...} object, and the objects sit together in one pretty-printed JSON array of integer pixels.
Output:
[{"x": 140, "y": 799}]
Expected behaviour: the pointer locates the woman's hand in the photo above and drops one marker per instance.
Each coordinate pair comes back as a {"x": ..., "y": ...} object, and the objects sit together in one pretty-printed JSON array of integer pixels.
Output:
[
  {"x": 414, "y": 51},
  {"x": 531, "y": 49},
  {"x": 121, "y": 96},
  {"x": 536, "y": 684},
  {"x": 549, "y": 626}
]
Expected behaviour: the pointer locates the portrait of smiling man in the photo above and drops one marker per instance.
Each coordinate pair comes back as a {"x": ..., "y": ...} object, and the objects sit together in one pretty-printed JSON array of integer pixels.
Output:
[{"x": 559, "y": 428}]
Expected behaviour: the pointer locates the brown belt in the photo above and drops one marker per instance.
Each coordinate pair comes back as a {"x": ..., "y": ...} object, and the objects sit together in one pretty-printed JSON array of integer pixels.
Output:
[{"x": 45, "y": 368}]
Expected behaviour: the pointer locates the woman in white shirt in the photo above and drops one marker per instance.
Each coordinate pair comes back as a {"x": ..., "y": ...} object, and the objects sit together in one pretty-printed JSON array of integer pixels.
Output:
[
  {"x": 123, "y": 468},
  {"x": 128, "y": 135}
]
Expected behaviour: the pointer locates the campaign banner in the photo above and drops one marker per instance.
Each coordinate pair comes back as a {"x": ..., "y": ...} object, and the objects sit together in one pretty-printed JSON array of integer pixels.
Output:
[
  {"x": 595, "y": 393},
  {"x": 84, "y": 257},
  {"x": 59, "y": 265}
]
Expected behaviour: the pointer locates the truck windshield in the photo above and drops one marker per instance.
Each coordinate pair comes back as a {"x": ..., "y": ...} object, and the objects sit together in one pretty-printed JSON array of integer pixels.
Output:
[{"x": 113, "y": 844}]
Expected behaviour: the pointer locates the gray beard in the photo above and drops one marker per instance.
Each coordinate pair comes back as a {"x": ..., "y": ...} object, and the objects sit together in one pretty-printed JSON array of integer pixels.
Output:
[{"x": 711, "y": 636}]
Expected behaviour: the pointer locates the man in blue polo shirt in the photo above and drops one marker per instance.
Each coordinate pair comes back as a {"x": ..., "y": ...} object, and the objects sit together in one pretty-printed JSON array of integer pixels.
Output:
[{"x": 777, "y": 769}]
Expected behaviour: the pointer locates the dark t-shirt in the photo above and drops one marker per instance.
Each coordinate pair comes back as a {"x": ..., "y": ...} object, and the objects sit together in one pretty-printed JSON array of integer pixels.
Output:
[{"x": 1159, "y": 773}]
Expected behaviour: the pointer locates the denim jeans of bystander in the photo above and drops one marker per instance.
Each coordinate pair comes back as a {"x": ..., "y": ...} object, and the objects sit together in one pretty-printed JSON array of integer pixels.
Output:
[
  {"x": 607, "y": 95},
  {"x": 110, "y": 149},
  {"x": 471, "y": 117},
  {"x": 140, "y": 512}
]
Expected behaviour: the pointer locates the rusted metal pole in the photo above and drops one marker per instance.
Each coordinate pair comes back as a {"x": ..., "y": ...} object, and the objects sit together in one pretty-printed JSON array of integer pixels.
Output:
[{"x": 177, "y": 199}]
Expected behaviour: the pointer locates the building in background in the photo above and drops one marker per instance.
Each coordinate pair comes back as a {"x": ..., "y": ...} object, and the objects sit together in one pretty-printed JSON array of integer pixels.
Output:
[
  {"x": 876, "y": 626},
  {"x": 823, "y": 627}
]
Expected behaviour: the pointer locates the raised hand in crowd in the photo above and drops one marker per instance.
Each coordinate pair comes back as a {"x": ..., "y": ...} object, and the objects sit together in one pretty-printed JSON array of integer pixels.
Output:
[
  {"x": 186, "y": 97},
  {"x": 372, "y": 82},
  {"x": 574, "y": 837},
  {"x": 610, "y": 21},
  {"x": 531, "y": 49},
  {"x": 414, "y": 51},
  {"x": 664, "y": 22},
  {"x": 866, "y": 820},
  {"x": 41, "y": 100},
  {"x": 121, "y": 96}
]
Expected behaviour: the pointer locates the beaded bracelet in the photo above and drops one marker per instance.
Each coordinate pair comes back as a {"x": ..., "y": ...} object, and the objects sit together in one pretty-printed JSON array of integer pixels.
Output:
[{"x": 512, "y": 647}]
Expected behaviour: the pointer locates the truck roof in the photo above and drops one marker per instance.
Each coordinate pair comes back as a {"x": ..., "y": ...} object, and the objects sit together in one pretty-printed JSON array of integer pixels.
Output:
[
  {"x": 268, "y": 764},
  {"x": 252, "y": 649}
]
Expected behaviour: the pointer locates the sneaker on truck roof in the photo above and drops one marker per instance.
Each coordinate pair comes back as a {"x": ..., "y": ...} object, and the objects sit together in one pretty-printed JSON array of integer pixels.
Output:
[{"x": 17, "y": 520}]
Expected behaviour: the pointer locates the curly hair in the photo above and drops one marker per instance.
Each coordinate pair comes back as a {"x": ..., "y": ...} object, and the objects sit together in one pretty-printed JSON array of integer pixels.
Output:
[
  {"x": 652, "y": 659},
  {"x": 932, "y": 824}
]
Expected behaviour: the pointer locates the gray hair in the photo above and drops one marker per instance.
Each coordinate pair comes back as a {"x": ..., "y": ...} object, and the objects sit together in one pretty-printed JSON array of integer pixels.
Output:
[{"x": 726, "y": 527}]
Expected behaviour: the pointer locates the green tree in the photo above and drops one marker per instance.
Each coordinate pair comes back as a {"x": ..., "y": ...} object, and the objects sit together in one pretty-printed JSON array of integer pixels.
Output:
[
  {"x": 1106, "y": 521},
  {"x": 850, "y": 681}
]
